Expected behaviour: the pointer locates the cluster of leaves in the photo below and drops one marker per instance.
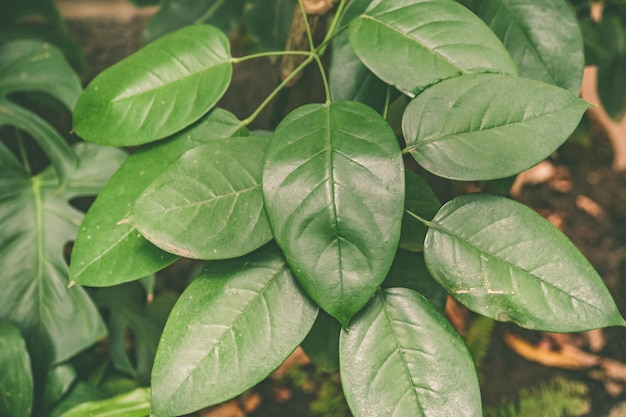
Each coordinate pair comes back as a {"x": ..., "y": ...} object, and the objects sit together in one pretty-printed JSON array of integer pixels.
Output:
[
  {"x": 43, "y": 323},
  {"x": 318, "y": 226}
]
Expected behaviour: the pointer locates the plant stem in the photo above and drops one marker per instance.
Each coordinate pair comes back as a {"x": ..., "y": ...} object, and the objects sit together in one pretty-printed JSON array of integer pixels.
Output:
[
  {"x": 210, "y": 11},
  {"x": 306, "y": 25},
  {"x": 415, "y": 216},
  {"x": 331, "y": 30},
  {"x": 241, "y": 59},
  {"x": 387, "y": 100}
]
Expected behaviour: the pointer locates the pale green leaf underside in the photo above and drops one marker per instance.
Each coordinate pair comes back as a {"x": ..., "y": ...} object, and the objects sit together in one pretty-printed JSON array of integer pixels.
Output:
[
  {"x": 542, "y": 37},
  {"x": 107, "y": 253},
  {"x": 158, "y": 90},
  {"x": 488, "y": 126},
  {"x": 16, "y": 379},
  {"x": 401, "y": 357},
  {"x": 413, "y": 44},
  {"x": 510, "y": 264},
  {"x": 208, "y": 204},
  {"x": 234, "y": 324},
  {"x": 333, "y": 185}
]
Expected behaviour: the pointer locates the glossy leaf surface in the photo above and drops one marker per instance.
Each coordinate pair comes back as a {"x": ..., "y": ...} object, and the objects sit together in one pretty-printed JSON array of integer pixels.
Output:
[
  {"x": 135, "y": 403},
  {"x": 38, "y": 221},
  {"x": 158, "y": 90},
  {"x": 439, "y": 39},
  {"x": 531, "y": 32},
  {"x": 511, "y": 264},
  {"x": 208, "y": 204},
  {"x": 481, "y": 127},
  {"x": 16, "y": 379},
  {"x": 234, "y": 324},
  {"x": 401, "y": 357},
  {"x": 107, "y": 253},
  {"x": 333, "y": 185},
  {"x": 33, "y": 66},
  {"x": 421, "y": 200},
  {"x": 175, "y": 14}
]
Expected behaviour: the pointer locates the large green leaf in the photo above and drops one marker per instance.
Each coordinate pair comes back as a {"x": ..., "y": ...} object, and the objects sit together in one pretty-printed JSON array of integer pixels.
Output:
[
  {"x": 488, "y": 126},
  {"x": 510, "y": 264},
  {"x": 59, "y": 380},
  {"x": 412, "y": 44},
  {"x": 401, "y": 357},
  {"x": 530, "y": 31},
  {"x": 174, "y": 14},
  {"x": 333, "y": 185},
  {"x": 29, "y": 65},
  {"x": 129, "y": 315},
  {"x": 16, "y": 379},
  {"x": 107, "y": 253},
  {"x": 37, "y": 220},
  {"x": 158, "y": 90},
  {"x": 269, "y": 21},
  {"x": 208, "y": 204},
  {"x": 234, "y": 324},
  {"x": 135, "y": 403}
]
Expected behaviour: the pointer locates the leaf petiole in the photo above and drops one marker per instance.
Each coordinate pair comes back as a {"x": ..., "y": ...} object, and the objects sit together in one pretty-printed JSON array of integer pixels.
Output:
[{"x": 415, "y": 216}]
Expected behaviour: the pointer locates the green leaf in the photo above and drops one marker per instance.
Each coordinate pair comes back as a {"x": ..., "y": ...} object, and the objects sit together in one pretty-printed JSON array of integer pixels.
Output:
[
  {"x": 612, "y": 87},
  {"x": 409, "y": 271},
  {"x": 175, "y": 14},
  {"x": 208, "y": 204},
  {"x": 26, "y": 66},
  {"x": 135, "y": 403},
  {"x": 333, "y": 185},
  {"x": 439, "y": 39},
  {"x": 234, "y": 324},
  {"x": 156, "y": 91},
  {"x": 81, "y": 392},
  {"x": 487, "y": 126},
  {"x": 130, "y": 314},
  {"x": 16, "y": 379},
  {"x": 269, "y": 21},
  {"x": 401, "y": 357},
  {"x": 11, "y": 12},
  {"x": 421, "y": 200},
  {"x": 59, "y": 379},
  {"x": 322, "y": 343},
  {"x": 510, "y": 264},
  {"x": 530, "y": 30},
  {"x": 348, "y": 77},
  {"x": 57, "y": 322},
  {"x": 107, "y": 253}
]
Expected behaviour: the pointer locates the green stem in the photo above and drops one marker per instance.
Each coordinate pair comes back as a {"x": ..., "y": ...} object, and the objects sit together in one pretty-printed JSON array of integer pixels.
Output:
[
  {"x": 387, "y": 100},
  {"x": 307, "y": 26},
  {"x": 415, "y": 216},
  {"x": 240, "y": 59},
  {"x": 324, "y": 78},
  {"x": 280, "y": 86},
  {"x": 331, "y": 30},
  {"x": 210, "y": 11}
]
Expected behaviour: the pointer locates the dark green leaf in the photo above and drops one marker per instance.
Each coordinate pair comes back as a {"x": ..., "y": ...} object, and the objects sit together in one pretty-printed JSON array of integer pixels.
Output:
[
  {"x": 333, "y": 185},
  {"x": 322, "y": 343},
  {"x": 135, "y": 403},
  {"x": 57, "y": 322},
  {"x": 158, "y": 90},
  {"x": 530, "y": 31},
  {"x": 487, "y": 126},
  {"x": 13, "y": 11},
  {"x": 130, "y": 314},
  {"x": 421, "y": 200},
  {"x": 107, "y": 253},
  {"x": 439, "y": 39},
  {"x": 208, "y": 204},
  {"x": 510, "y": 264},
  {"x": 409, "y": 271},
  {"x": 401, "y": 357},
  {"x": 269, "y": 21},
  {"x": 175, "y": 14},
  {"x": 81, "y": 392},
  {"x": 29, "y": 65},
  {"x": 233, "y": 325},
  {"x": 16, "y": 379},
  {"x": 612, "y": 86}
]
